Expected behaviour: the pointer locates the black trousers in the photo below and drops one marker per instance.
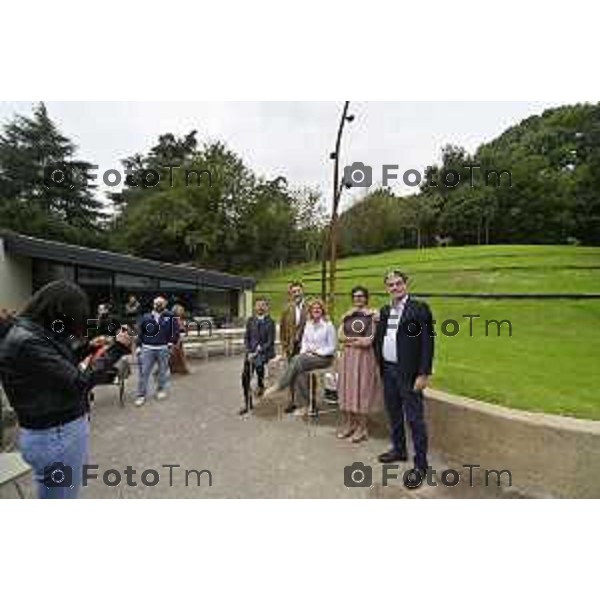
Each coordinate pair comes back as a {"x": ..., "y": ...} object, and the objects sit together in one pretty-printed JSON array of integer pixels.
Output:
[
  {"x": 402, "y": 403},
  {"x": 251, "y": 367}
]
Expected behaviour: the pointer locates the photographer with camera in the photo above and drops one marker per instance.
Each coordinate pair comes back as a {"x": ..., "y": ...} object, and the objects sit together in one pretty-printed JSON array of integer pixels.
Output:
[
  {"x": 359, "y": 383},
  {"x": 48, "y": 389}
]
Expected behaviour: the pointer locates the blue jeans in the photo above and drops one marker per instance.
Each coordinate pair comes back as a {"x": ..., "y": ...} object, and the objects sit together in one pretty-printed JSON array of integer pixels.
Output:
[
  {"x": 67, "y": 444},
  {"x": 148, "y": 358}
]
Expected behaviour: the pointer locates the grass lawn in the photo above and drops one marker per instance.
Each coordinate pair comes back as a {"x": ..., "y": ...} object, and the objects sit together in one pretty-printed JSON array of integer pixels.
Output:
[{"x": 551, "y": 362}]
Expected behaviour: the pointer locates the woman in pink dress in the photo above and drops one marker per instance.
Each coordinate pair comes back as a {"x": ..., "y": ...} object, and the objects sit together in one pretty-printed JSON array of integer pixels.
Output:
[{"x": 359, "y": 383}]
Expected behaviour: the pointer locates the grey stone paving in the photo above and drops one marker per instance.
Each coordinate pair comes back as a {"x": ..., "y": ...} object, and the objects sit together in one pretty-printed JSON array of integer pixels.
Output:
[{"x": 255, "y": 457}]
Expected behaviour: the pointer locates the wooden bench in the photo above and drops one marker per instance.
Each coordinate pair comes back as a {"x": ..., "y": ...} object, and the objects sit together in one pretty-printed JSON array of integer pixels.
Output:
[{"x": 12, "y": 468}]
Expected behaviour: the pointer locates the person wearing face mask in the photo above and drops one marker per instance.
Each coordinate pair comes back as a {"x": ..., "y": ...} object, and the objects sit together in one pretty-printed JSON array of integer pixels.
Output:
[
  {"x": 293, "y": 321},
  {"x": 158, "y": 332}
]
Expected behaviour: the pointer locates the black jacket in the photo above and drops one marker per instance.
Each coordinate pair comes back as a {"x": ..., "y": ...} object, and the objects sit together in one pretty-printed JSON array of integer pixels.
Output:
[
  {"x": 262, "y": 333},
  {"x": 414, "y": 350},
  {"x": 41, "y": 376}
]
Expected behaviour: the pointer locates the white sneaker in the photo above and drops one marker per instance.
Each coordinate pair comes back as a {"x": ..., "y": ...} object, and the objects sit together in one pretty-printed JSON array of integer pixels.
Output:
[
  {"x": 161, "y": 395},
  {"x": 139, "y": 401}
]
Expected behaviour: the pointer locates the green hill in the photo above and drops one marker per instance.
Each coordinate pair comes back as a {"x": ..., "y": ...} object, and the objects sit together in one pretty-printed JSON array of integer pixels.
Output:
[{"x": 549, "y": 364}]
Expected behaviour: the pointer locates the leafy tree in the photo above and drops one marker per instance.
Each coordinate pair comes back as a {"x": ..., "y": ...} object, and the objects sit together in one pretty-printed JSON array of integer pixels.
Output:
[
  {"x": 45, "y": 190},
  {"x": 212, "y": 210}
]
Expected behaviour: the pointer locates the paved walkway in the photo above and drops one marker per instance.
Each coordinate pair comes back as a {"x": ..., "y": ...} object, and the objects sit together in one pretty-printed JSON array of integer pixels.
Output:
[{"x": 259, "y": 456}]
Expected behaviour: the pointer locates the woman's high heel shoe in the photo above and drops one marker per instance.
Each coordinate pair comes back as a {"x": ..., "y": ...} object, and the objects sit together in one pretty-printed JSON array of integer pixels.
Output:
[
  {"x": 348, "y": 429},
  {"x": 345, "y": 433},
  {"x": 359, "y": 436}
]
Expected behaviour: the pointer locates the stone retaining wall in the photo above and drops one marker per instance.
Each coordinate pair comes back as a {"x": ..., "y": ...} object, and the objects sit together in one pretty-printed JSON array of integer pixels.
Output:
[{"x": 547, "y": 455}]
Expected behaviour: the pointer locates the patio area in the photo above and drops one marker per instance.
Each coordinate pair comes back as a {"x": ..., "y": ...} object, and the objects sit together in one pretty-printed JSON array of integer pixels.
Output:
[{"x": 260, "y": 456}]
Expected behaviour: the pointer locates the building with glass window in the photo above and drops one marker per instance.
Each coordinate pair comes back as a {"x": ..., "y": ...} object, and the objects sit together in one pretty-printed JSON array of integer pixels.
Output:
[{"x": 27, "y": 263}]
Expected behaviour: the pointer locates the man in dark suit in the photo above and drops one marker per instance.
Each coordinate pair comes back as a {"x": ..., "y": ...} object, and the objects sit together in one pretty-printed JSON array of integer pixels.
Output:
[
  {"x": 404, "y": 346},
  {"x": 260, "y": 349}
]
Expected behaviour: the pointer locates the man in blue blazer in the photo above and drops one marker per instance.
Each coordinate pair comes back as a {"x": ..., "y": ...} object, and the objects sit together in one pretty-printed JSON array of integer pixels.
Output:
[
  {"x": 404, "y": 346},
  {"x": 260, "y": 349}
]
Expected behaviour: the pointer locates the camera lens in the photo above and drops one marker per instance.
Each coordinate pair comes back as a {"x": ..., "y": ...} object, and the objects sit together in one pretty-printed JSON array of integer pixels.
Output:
[
  {"x": 358, "y": 176},
  {"x": 358, "y": 326},
  {"x": 413, "y": 479},
  {"x": 58, "y": 326},
  {"x": 361, "y": 476},
  {"x": 57, "y": 476}
]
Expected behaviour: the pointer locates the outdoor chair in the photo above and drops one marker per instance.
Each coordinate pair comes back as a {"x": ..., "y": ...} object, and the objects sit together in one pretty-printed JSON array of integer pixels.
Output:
[{"x": 13, "y": 468}]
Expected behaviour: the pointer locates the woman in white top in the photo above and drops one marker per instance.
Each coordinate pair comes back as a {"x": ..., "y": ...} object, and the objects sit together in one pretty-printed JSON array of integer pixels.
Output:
[{"x": 317, "y": 351}]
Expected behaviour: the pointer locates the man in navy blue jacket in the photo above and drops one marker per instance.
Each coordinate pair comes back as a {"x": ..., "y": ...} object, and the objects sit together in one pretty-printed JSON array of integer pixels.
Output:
[
  {"x": 404, "y": 347},
  {"x": 158, "y": 332},
  {"x": 260, "y": 349}
]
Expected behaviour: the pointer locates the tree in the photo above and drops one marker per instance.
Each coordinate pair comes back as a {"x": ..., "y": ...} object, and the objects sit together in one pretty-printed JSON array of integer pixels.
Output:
[
  {"x": 45, "y": 190},
  {"x": 227, "y": 218}
]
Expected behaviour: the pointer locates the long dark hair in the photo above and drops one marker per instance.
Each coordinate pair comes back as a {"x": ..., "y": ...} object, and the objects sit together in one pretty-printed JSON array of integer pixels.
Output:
[{"x": 62, "y": 300}]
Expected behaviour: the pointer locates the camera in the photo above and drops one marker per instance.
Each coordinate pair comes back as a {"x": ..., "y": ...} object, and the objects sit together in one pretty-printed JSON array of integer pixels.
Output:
[
  {"x": 61, "y": 325},
  {"x": 413, "y": 479},
  {"x": 358, "y": 175},
  {"x": 358, "y": 475},
  {"x": 358, "y": 326},
  {"x": 58, "y": 475},
  {"x": 58, "y": 175}
]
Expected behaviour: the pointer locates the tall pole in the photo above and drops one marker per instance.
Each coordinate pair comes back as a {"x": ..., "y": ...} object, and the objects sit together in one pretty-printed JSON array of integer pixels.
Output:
[
  {"x": 337, "y": 191},
  {"x": 324, "y": 256}
]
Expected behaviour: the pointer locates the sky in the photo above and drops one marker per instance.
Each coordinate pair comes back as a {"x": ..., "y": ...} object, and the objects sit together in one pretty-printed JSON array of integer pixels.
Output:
[{"x": 291, "y": 139}]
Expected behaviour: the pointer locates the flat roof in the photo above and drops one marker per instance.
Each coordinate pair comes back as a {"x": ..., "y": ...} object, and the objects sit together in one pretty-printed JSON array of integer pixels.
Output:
[{"x": 23, "y": 245}]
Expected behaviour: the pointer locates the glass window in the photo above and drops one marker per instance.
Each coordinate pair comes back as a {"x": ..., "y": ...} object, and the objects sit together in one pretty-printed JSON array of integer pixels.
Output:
[
  {"x": 169, "y": 284},
  {"x": 87, "y": 276},
  {"x": 45, "y": 271},
  {"x": 218, "y": 303},
  {"x": 134, "y": 282}
]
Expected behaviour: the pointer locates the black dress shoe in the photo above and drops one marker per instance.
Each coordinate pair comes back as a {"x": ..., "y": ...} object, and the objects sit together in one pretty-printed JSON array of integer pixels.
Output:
[
  {"x": 290, "y": 408},
  {"x": 391, "y": 457},
  {"x": 244, "y": 410}
]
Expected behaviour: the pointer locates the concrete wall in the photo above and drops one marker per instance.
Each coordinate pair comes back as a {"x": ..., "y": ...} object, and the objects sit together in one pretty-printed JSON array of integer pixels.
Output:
[
  {"x": 547, "y": 455},
  {"x": 15, "y": 279}
]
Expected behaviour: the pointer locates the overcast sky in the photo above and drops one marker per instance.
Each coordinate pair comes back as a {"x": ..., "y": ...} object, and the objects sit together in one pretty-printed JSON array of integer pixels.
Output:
[{"x": 292, "y": 139}]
